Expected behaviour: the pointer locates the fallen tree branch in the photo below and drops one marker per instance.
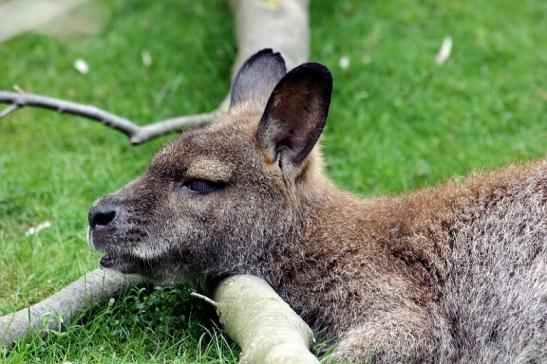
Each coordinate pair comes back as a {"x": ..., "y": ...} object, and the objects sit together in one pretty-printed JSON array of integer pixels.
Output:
[
  {"x": 59, "y": 309},
  {"x": 19, "y": 16},
  {"x": 281, "y": 25},
  {"x": 261, "y": 323}
]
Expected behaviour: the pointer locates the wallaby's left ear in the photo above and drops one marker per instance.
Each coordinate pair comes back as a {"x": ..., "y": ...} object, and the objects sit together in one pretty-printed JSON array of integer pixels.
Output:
[
  {"x": 296, "y": 113},
  {"x": 257, "y": 77}
]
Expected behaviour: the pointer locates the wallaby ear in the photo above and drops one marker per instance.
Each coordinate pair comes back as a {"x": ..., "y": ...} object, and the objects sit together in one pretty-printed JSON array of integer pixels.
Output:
[
  {"x": 257, "y": 77},
  {"x": 296, "y": 113}
]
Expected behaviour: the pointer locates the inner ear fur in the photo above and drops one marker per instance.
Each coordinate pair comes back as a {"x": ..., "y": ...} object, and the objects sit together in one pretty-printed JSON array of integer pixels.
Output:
[
  {"x": 296, "y": 112},
  {"x": 257, "y": 77}
]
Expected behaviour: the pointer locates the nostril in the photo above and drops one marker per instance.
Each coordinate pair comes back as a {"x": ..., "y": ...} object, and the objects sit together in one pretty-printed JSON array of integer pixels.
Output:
[{"x": 102, "y": 216}]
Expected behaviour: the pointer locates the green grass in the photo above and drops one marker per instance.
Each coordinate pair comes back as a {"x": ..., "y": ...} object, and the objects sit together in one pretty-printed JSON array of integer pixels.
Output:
[{"x": 398, "y": 121}]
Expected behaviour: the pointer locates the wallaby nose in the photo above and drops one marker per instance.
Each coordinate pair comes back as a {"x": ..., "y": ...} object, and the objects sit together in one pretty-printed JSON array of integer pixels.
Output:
[{"x": 102, "y": 215}]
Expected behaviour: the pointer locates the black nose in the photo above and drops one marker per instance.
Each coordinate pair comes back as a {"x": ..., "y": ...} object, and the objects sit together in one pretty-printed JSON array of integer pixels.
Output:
[{"x": 102, "y": 214}]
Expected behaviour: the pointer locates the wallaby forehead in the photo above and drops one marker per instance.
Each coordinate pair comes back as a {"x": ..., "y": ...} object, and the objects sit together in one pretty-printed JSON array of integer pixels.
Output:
[{"x": 227, "y": 142}]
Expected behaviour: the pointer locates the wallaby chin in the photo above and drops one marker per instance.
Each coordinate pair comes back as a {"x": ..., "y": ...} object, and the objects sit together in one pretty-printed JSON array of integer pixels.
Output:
[{"x": 455, "y": 273}]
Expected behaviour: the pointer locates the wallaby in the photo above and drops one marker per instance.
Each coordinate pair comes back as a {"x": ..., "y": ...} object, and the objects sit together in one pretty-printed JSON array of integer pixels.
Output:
[{"x": 451, "y": 274}]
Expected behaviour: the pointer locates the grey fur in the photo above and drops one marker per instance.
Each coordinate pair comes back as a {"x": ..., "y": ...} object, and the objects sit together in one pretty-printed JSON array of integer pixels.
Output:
[{"x": 497, "y": 300}]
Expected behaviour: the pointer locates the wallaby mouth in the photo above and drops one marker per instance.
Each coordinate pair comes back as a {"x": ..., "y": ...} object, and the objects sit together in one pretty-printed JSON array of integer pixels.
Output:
[
  {"x": 114, "y": 257},
  {"x": 123, "y": 263},
  {"x": 118, "y": 262},
  {"x": 107, "y": 261}
]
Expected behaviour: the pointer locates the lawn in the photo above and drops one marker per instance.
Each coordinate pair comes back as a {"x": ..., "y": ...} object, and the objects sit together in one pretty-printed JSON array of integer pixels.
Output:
[{"x": 398, "y": 122}]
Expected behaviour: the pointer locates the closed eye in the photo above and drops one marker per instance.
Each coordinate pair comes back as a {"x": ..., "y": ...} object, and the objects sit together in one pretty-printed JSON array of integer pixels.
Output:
[{"x": 201, "y": 186}]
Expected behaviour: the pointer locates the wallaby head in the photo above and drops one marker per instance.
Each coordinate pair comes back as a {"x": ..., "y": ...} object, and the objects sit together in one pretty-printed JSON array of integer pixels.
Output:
[{"x": 216, "y": 199}]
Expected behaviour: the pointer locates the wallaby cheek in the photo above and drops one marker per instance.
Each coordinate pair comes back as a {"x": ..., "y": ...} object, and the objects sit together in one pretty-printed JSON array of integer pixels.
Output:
[
  {"x": 157, "y": 235},
  {"x": 178, "y": 229}
]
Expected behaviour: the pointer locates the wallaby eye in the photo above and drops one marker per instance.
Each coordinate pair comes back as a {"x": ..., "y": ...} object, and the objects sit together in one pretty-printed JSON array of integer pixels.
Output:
[{"x": 201, "y": 186}]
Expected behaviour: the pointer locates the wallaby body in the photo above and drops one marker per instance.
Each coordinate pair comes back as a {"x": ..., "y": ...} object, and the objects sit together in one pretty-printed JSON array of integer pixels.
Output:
[{"x": 456, "y": 273}]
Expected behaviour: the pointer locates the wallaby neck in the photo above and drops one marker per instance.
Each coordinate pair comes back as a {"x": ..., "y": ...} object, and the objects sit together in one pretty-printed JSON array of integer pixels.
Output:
[
  {"x": 388, "y": 249},
  {"x": 385, "y": 240}
]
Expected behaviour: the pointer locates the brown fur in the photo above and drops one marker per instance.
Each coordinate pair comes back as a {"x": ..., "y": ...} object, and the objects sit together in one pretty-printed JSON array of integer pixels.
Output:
[{"x": 455, "y": 273}]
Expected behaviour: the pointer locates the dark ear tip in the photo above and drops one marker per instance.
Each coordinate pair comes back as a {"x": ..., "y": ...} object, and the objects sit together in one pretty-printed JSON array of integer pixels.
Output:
[
  {"x": 266, "y": 53},
  {"x": 261, "y": 53}
]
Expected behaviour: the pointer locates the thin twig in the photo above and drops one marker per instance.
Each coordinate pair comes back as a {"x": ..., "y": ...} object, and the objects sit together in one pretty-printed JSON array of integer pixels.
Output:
[
  {"x": 8, "y": 110},
  {"x": 137, "y": 134},
  {"x": 205, "y": 298},
  {"x": 178, "y": 123}
]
